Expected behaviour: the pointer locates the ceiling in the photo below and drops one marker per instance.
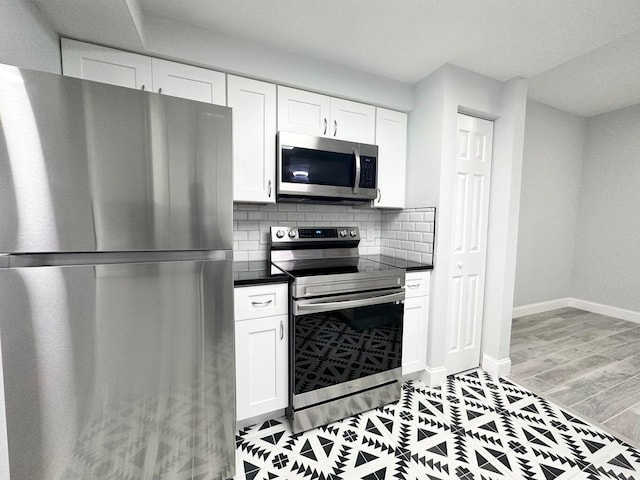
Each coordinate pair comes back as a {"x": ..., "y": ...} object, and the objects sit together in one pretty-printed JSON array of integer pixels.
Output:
[{"x": 582, "y": 56}]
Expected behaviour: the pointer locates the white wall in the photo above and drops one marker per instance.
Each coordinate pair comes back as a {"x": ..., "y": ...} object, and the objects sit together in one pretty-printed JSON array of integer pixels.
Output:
[
  {"x": 432, "y": 151},
  {"x": 607, "y": 243},
  {"x": 553, "y": 153},
  {"x": 191, "y": 44},
  {"x": 25, "y": 38}
]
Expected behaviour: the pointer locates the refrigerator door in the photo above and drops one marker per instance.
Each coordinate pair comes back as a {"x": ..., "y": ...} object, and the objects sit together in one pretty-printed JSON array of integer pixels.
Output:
[
  {"x": 86, "y": 167},
  {"x": 119, "y": 371}
]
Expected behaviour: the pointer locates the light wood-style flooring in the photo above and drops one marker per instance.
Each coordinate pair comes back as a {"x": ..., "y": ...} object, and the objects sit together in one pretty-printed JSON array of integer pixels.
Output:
[{"x": 584, "y": 361}]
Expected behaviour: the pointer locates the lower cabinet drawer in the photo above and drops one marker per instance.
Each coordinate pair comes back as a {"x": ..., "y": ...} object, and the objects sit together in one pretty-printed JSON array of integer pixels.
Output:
[
  {"x": 416, "y": 284},
  {"x": 261, "y": 301}
]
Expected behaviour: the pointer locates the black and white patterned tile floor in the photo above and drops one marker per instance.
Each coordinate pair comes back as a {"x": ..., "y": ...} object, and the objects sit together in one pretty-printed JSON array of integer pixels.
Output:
[{"x": 474, "y": 427}]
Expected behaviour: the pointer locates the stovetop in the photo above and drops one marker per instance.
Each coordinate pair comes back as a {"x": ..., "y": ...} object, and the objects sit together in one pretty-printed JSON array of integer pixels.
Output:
[{"x": 332, "y": 266}]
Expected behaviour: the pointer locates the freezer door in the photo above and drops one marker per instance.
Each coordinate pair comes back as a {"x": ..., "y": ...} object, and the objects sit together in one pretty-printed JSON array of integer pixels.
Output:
[
  {"x": 119, "y": 371},
  {"x": 86, "y": 166}
]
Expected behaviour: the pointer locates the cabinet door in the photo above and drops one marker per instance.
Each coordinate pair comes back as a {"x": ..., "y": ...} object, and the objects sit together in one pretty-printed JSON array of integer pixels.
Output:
[
  {"x": 391, "y": 138},
  {"x": 187, "y": 81},
  {"x": 106, "y": 65},
  {"x": 254, "y": 139},
  {"x": 261, "y": 366},
  {"x": 414, "y": 335},
  {"x": 303, "y": 112},
  {"x": 352, "y": 121}
]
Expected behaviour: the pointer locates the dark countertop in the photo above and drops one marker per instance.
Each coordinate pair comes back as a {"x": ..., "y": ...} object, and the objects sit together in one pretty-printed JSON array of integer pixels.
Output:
[
  {"x": 405, "y": 264},
  {"x": 255, "y": 273}
]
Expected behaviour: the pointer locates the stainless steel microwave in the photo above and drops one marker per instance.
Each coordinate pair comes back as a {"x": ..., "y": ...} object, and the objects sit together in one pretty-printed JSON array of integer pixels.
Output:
[{"x": 318, "y": 169}]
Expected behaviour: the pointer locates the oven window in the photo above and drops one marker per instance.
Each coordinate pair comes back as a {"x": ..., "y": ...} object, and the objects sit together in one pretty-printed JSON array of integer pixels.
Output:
[
  {"x": 338, "y": 346},
  {"x": 302, "y": 165}
]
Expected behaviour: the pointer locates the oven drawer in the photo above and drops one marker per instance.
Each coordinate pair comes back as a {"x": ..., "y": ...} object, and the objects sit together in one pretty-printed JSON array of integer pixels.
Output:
[
  {"x": 416, "y": 284},
  {"x": 261, "y": 301}
]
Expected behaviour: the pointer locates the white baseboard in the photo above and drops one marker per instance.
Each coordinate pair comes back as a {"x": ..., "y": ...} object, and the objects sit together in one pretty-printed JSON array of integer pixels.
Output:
[
  {"x": 534, "y": 308},
  {"x": 607, "y": 310},
  {"x": 494, "y": 367},
  {"x": 592, "y": 307},
  {"x": 433, "y": 377}
]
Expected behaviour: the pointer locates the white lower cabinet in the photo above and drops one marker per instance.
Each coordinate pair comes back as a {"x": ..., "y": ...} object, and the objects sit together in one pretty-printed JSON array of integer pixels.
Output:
[
  {"x": 416, "y": 318},
  {"x": 261, "y": 331}
]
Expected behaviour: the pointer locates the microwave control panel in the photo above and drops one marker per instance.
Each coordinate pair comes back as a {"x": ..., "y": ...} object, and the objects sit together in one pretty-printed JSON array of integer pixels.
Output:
[{"x": 367, "y": 172}]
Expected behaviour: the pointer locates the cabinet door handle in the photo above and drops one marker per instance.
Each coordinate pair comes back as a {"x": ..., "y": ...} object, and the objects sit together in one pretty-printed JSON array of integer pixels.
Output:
[
  {"x": 142, "y": 88},
  {"x": 413, "y": 285},
  {"x": 335, "y": 128},
  {"x": 160, "y": 90},
  {"x": 379, "y": 195},
  {"x": 281, "y": 329},
  {"x": 261, "y": 304},
  {"x": 325, "y": 127},
  {"x": 269, "y": 188},
  {"x": 459, "y": 265}
]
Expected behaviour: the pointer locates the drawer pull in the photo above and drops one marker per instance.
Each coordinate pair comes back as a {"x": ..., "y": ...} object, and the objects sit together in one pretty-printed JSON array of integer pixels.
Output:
[
  {"x": 261, "y": 304},
  {"x": 281, "y": 329},
  {"x": 413, "y": 285}
]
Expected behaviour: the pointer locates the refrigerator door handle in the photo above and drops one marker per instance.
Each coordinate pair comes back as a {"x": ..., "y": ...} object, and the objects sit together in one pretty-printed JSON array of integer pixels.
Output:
[{"x": 23, "y": 260}]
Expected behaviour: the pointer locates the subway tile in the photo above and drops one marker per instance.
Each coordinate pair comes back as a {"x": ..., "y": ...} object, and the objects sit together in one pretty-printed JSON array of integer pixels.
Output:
[
  {"x": 293, "y": 216},
  {"x": 408, "y": 226},
  {"x": 413, "y": 256},
  {"x": 240, "y": 256},
  {"x": 248, "y": 245},
  {"x": 258, "y": 255},
  {"x": 414, "y": 236},
  {"x": 427, "y": 237},
  {"x": 257, "y": 215},
  {"x": 301, "y": 207},
  {"x": 416, "y": 217},
  {"x": 407, "y": 245},
  {"x": 421, "y": 227},
  {"x": 426, "y": 258},
  {"x": 402, "y": 236},
  {"x": 239, "y": 215},
  {"x": 240, "y": 235},
  {"x": 277, "y": 216}
]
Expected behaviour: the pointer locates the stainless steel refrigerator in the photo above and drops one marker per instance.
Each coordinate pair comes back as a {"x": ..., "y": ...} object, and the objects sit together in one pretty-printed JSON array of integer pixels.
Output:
[{"x": 116, "y": 300}]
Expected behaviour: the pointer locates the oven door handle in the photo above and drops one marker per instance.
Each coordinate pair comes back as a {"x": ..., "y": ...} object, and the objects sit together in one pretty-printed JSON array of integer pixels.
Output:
[{"x": 312, "y": 306}]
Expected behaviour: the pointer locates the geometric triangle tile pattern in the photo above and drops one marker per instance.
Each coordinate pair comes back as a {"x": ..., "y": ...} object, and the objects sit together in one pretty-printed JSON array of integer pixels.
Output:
[{"x": 474, "y": 427}]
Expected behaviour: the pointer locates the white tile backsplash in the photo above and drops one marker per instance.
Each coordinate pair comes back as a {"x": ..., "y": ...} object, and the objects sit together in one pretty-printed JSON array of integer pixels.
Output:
[{"x": 400, "y": 233}]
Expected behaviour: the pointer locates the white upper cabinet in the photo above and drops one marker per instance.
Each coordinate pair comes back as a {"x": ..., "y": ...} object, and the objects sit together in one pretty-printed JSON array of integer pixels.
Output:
[
  {"x": 352, "y": 121},
  {"x": 391, "y": 138},
  {"x": 303, "y": 112},
  {"x": 187, "y": 81},
  {"x": 254, "y": 139},
  {"x": 106, "y": 65},
  {"x": 125, "y": 69},
  {"x": 310, "y": 113}
]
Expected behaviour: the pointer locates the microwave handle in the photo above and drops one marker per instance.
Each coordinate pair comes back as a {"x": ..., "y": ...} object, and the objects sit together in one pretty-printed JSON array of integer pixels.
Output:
[{"x": 356, "y": 156}]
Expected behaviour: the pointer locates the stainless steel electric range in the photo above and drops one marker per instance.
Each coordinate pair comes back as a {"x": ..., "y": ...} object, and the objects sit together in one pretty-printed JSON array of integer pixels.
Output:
[{"x": 346, "y": 316}]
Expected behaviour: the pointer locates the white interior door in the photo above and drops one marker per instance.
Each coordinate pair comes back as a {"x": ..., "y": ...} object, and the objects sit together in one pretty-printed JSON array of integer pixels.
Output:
[{"x": 468, "y": 243}]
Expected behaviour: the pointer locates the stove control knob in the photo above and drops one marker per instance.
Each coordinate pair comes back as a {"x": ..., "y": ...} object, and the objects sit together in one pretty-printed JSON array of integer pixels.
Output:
[
  {"x": 280, "y": 233},
  {"x": 343, "y": 233},
  {"x": 292, "y": 234},
  {"x": 353, "y": 233}
]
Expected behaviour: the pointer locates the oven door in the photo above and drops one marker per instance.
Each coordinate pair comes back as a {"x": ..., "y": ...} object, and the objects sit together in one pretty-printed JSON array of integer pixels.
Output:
[{"x": 344, "y": 344}]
